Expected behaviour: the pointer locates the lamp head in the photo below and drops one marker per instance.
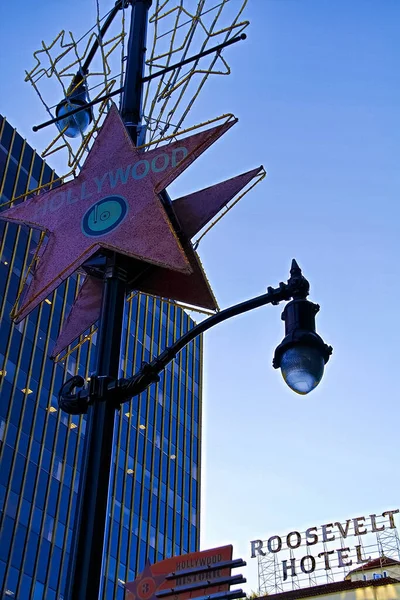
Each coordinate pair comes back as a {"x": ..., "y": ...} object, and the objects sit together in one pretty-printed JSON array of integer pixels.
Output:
[
  {"x": 77, "y": 97},
  {"x": 302, "y": 354}
]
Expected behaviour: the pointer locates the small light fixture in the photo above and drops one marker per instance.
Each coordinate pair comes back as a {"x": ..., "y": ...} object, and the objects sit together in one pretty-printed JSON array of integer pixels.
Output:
[
  {"x": 26, "y": 391},
  {"x": 129, "y": 471},
  {"x": 302, "y": 355},
  {"x": 173, "y": 456},
  {"x": 52, "y": 409},
  {"x": 73, "y": 426},
  {"x": 48, "y": 301},
  {"x": 142, "y": 426},
  {"x": 77, "y": 97},
  {"x": 3, "y": 373},
  {"x": 128, "y": 414},
  {"x": 5, "y": 262}
]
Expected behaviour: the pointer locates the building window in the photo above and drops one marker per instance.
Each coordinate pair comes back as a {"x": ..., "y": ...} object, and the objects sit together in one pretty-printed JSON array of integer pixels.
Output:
[{"x": 39, "y": 591}]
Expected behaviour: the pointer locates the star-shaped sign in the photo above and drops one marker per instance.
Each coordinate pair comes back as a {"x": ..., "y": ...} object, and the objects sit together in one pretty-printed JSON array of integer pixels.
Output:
[
  {"x": 112, "y": 204},
  {"x": 145, "y": 585},
  {"x": 193, "y": 212}
]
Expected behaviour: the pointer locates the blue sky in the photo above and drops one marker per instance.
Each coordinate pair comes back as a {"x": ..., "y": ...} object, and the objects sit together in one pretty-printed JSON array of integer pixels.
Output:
[{"x": 316, "y": 89}]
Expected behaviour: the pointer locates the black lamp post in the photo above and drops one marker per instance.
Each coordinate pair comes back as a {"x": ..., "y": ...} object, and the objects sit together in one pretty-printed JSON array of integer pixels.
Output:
[
  {"x": 85, "y": 566},
  {"x": 106, "y": 392},
  {"x": 301, "y": 356}
]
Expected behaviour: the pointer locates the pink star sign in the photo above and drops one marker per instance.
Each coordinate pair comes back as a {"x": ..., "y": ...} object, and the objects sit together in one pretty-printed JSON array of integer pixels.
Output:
[{"x": 113, "y": 204}]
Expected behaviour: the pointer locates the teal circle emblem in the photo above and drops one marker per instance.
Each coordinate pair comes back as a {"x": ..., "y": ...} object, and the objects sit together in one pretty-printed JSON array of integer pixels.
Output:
[{"x": 104, "y": 216}]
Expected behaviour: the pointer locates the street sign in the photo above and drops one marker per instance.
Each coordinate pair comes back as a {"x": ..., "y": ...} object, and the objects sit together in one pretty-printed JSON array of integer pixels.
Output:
[{"x": 187, "y": 576}]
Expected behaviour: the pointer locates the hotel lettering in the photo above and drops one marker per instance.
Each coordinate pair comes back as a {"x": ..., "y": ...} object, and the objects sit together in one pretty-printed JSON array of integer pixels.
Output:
[{"x": 328, "y": 535}]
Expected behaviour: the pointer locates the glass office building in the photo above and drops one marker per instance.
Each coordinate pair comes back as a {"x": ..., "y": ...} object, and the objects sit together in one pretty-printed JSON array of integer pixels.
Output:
[{"x": 154, "y": 499}]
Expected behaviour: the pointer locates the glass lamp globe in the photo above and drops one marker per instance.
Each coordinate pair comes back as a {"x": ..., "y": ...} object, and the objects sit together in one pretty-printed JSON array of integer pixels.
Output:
[
  {"x": 76, "y": 124},
  {"x": 302, "y": 368}
]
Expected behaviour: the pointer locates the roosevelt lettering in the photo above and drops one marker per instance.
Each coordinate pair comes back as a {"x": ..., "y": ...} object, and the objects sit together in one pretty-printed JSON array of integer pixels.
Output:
[{"x": 342, "y": 557}]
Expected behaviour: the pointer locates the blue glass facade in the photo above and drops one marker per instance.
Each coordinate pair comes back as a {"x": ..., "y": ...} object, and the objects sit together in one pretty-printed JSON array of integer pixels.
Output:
[{"x": 155, "y": 495}]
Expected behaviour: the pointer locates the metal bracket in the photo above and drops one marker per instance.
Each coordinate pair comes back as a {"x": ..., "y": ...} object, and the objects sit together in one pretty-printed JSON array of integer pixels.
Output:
[
  {"x": 78, "y": 403},
  {"x": 74, "y": 404}
]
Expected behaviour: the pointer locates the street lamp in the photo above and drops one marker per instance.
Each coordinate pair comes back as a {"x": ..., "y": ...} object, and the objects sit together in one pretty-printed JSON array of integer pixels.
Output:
[
  {"x": 301, "y": 355},
  {"x": 73, "y": 125},
  {"x": 106, "y": 392},
  {"x": 74, "y": 113}
]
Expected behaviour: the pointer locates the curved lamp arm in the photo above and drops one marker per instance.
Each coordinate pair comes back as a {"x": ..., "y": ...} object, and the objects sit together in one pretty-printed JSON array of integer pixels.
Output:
[{"x": 121, "y": 390}]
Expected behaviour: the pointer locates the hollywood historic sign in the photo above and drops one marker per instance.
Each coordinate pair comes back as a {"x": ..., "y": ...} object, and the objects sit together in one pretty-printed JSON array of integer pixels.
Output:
[
  {"x": 188, "y": 585},
  {"x": 325, "y": 534}
]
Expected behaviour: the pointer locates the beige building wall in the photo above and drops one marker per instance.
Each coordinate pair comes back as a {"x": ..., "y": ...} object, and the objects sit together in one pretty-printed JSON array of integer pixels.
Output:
[{"x": 381, "y": 592}]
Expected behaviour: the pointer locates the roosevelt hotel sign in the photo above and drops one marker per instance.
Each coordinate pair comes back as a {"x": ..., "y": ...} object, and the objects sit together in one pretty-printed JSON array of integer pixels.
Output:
[{"x": 327, "y": 547}]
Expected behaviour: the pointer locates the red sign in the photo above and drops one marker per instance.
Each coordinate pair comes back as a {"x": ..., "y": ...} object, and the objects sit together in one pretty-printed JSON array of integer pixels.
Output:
[{"x": 153, "y": 577}]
